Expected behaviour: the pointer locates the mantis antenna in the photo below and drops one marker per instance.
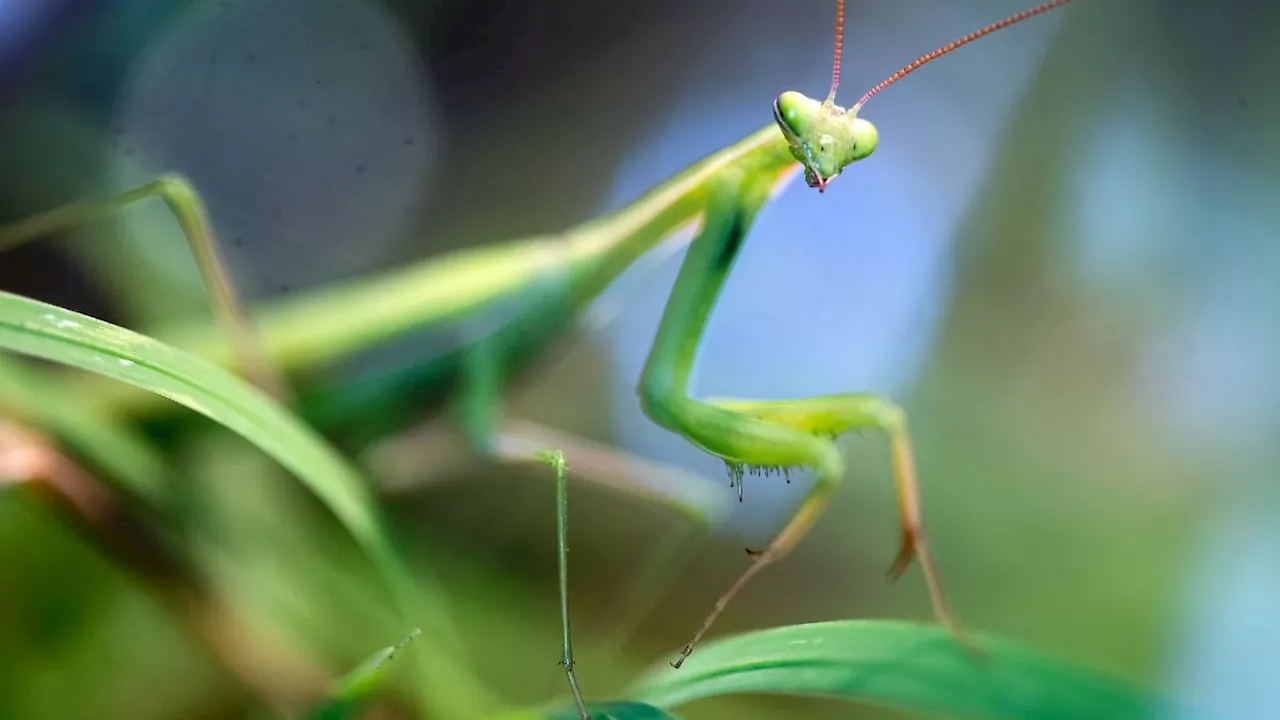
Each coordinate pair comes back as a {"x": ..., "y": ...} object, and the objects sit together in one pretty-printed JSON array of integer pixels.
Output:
[
  {"x": 930, "y": 57},
  {"x": 825, "y": 137},
  {"x": 835, "y": 66}
]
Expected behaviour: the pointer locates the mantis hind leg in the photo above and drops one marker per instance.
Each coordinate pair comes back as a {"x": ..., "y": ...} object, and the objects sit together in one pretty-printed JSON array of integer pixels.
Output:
[{"x": 189, "y": 210}]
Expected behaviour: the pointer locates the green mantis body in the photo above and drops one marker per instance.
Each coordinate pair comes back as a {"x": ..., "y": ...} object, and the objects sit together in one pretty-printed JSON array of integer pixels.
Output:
[
  {"x": 514, "y": 295},
  {"x": 508, "y": 300}
]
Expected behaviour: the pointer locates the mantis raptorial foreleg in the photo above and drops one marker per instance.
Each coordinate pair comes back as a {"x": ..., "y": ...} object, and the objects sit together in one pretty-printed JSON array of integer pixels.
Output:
[
  {"x": 188, "y": 209},
  {"x": 767, "y": 434},
  {"x": 833, "y": 416}
]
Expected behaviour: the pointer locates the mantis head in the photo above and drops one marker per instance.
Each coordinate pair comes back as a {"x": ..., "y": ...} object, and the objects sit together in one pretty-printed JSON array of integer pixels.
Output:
[{"x": 823, "y": 136}]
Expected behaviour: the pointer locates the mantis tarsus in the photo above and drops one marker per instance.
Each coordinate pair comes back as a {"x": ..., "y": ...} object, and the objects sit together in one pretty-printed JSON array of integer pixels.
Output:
[{"x": 537, "y": 284}]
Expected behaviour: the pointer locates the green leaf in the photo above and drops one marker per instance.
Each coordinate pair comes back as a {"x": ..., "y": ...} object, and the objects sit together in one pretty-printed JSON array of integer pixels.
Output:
[
  {"x": 357, "y": 688},
  {"x": 623, "y": 710},
  {"x": 896, "y": 664},
  {"x": 35, "y": 399},
  {"x": 616, "y": 711},
  {"x": 46, "y": 331}
]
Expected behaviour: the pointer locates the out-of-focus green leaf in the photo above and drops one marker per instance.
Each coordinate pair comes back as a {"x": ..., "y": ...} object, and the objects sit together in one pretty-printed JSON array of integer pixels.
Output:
[
  {"x": 356, "y": 689},
  {"x": 903, "y": 665},
  {"x": 617, "y": 711},
  {"x": 46, "y": 331},
  {"x": 32, "y": 398},
  {"x": 599, "y": 711}
]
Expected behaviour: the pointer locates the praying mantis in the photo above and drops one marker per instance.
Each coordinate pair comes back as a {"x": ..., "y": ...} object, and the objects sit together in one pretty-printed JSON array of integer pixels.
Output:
[{"x": 514, "y": 296}]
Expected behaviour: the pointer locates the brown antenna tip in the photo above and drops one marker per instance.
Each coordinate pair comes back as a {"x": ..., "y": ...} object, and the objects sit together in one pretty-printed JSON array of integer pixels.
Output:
[
  {"x": 954, "y": 45},
  {"x": 835, "y": 68}
]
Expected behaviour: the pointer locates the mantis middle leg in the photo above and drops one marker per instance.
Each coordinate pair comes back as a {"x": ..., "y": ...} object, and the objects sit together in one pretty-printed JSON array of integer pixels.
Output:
[
  {"x": 555, "y": 459},
  {"x": 491, "y": 432}
]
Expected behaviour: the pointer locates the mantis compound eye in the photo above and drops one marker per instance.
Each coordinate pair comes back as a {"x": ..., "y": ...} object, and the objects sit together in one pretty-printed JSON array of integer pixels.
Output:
[{"x": 824, "y": 137}]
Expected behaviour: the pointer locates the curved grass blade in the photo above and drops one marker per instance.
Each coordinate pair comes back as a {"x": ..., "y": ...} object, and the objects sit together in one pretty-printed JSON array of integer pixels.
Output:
[
  {"x": 356, "y": 689},
  {"x": 46, "y": 331},
  {"x": 901, "y": 665}
]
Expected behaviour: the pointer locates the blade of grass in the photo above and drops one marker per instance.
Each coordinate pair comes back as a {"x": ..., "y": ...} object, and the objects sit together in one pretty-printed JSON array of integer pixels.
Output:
[
  {"x": 357, "y": 688},
  {"x": 901, "y": 665},
  {"x": 46, "y": 331}
]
